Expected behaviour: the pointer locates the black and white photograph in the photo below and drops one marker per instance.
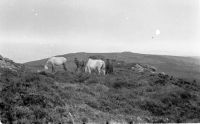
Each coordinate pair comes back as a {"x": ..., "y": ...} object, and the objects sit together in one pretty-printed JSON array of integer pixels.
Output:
[{"x": 99, "y": 61}]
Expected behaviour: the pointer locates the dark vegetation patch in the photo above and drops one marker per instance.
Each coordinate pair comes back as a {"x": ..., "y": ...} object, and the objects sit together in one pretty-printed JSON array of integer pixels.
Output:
[
  {"x": 27, "y": 97},
  {"x": 30, "y": 97}
]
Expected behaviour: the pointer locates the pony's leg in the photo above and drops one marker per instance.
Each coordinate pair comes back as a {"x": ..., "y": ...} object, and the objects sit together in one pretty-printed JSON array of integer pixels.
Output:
[
  {"x": 64, "y": 66},
  {"x": 77, "y": 68},
  {"x": 81, "y": 69},
  {"x": 104, "y": 72},
  {"x": 53, "y": 68},
  {"x": 89, "y": 70},
  {"x": 99, "y": 70}
]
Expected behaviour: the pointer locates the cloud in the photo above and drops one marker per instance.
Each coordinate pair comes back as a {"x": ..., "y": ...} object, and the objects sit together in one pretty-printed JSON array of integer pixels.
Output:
[{"x": 62, "y": 26}]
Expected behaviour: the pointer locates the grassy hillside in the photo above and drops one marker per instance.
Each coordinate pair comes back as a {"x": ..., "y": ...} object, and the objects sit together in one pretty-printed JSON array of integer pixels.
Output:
[
  {"x": 29, "y": 97},
  {"x": 182, "y": 67}
]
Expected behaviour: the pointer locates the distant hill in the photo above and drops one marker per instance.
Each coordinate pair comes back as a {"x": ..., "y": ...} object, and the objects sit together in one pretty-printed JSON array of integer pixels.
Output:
[{"x": 182, "y": 67}]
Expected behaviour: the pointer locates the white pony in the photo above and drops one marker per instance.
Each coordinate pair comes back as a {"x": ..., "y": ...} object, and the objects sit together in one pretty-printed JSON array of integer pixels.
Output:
[
  {"x": 56, "y": 61},
  {"x": 94, "y": 64}
]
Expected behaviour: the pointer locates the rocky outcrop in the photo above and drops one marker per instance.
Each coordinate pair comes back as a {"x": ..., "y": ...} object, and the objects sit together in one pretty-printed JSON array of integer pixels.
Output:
[
  {"x": 138, "y": 68},
  {"x": 145, "y": 67},
  {"x": 150, "y": 68},
  {"x": 1, "y": 57},
  {"x": 9, "y": 64}
]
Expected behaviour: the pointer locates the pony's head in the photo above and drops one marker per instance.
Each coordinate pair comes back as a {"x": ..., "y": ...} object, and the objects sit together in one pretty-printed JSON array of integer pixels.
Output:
[{"x": 45, "y": 67}]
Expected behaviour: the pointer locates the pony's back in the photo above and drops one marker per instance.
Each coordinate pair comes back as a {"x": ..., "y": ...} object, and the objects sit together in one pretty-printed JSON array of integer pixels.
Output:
[{"x": 55, "y": 61}]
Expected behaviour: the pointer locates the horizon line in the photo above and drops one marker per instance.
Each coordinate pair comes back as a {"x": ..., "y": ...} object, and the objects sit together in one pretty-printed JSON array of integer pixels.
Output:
[{"x": 195, "y": 57}]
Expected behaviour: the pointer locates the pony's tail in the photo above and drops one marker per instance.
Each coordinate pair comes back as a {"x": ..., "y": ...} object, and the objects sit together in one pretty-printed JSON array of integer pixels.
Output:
[{"x": 103, "y": 66}]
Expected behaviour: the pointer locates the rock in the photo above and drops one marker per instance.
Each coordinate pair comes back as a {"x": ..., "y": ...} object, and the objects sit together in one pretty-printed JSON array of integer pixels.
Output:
[
  {"x": 9, "y": 64},
  {"x": 138, "y": 68},
  {"x": 162, "y": 73},
  {"x": 8, "y": 60},
  {"x": 142, "y": 68},
  {"x": 150, "y": 68},
  {"x": 1, "y": 57}
]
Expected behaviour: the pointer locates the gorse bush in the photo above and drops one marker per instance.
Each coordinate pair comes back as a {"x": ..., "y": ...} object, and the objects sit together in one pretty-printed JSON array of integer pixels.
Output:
[{"x": 27, "y": 97}]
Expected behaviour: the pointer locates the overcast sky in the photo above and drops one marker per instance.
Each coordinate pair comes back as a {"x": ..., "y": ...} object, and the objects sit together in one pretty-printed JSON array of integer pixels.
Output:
[{"x": 35, "y": 29}]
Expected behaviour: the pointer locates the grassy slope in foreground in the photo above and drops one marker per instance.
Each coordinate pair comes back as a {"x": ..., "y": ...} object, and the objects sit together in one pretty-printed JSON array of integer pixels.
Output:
[{"x": 30, "y": 97}]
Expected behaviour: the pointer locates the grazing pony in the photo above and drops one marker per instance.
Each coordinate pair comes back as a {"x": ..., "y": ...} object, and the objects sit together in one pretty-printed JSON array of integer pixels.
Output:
[
  {"x": 79, "y": 65},
  {"x": 94, "y": 64},
  {"x": 109, "y": 66},
  {"x": 56, "y": 61}
]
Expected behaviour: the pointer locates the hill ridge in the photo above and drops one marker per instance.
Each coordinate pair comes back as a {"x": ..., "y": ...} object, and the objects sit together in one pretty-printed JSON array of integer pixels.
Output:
[{"x": 183, "y": 67}]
